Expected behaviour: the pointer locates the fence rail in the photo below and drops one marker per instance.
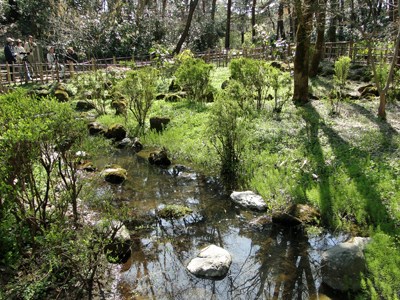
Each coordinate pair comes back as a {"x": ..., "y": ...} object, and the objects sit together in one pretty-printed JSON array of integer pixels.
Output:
[{"x": 18, "y": 74}]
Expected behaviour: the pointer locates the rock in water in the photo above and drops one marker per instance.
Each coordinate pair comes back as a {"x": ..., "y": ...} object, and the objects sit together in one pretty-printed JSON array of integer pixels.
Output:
[
  {"x": 343, "y": 264},
  {"x": 212, "y": 262},
  {"x": 249, "y": 199}
]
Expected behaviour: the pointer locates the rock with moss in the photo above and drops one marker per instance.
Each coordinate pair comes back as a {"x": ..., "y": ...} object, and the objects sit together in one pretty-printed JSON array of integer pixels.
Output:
[
  {"x": 96, "y": 128},
  {"x": 116, "y": 132},
  {"x": 159, "y": 158},
  {"x": 120, "y": 105},
  {"x": 61, "y": 95},
  {"x": 84, "y": 105},
  {"x": 174, "y": 212},
  {"x": 114, "y": 174},
  {"x": 137, "y": 146}
]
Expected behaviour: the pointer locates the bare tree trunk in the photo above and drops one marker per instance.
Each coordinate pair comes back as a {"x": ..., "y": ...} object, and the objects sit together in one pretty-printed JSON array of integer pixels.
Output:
[
  {"x": 319, "y": 43},
  {"x": 280, "y": 32},
  {"x": 301, "y": 59},
  {"x": 213, "y": 9},
  {"x": 185, "y": 32},
  {"x": 291, "y": 24},
  {"x": 253, "y": 20},
  {"x": 228, "y": 25},
  {"x": 331, "y": 33}
]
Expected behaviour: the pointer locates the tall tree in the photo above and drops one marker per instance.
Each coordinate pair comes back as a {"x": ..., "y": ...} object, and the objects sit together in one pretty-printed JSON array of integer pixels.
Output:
[
  {"x": 319, "y": 43},
  {"x": 331, "y": 33},
  {"x": 228, "y": 25},
  {"x": 301, "y": 59},
  {"x": 192, "y": 8}
]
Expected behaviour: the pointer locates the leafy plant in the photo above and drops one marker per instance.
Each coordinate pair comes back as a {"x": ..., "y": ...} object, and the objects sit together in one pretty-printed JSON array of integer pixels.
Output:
[
  {"x": 139, "y": 87},
  {"x": 228, "y": 132},
  {"x": 253, "y": 75},
  {"x": 193, "y": 75},
  {"x": 342, "y": 67},
  {"x": 281, "y": 85}
]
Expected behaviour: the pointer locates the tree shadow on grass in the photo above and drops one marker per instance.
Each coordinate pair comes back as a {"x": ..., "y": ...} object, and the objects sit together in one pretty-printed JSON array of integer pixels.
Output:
[
  {"x": 388, "y": 132},
  {"x": 353, "y": 160}
]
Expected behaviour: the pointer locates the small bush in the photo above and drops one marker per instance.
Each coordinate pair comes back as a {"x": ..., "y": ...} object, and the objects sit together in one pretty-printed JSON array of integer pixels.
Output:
[{"x": 193, "y": 75}]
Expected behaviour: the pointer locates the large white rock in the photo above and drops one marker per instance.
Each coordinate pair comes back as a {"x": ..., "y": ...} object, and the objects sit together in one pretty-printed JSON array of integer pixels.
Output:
[
  {"x": 343, "y": 264},
  {"x": 212, "y": 262},
  {"x": 249, "y": 199}
]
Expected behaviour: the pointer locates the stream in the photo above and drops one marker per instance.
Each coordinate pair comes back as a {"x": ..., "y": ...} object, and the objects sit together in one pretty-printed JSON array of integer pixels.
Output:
[{"x": 271, "y": 262}]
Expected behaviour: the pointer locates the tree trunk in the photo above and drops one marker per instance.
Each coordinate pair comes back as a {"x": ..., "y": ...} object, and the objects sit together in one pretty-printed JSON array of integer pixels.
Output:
[
  {"x": 228, "y": 25},
  {"x": 280, "y": 32},
  {"x": 331, "y": 33},
  {"x": 291, "y": 24},
  {"x": 319, "y": 43},
  {"x": 382, "y": 105},
  {"x": 253, "y": 20},
  {"x": 213, "y": 9},
  {"x": 301, "y": 59},
  {"x": 185, "y": 32}
]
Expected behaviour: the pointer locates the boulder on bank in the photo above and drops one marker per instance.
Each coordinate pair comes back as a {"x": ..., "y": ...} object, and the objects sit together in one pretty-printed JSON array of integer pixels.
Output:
[
  {"x": 212, "y": 262},
  {"x": 158, "y": 123},
  {"x": 114, "y": 174},
  {"x": 96, "y": 128},
  {"x": 84, "y": 105},
  {"x": 250, "y": 200},
  {"x": 117, "y": 132},
  {"x": 343, "y": 264},
  {"x": 61, "y": 95}
]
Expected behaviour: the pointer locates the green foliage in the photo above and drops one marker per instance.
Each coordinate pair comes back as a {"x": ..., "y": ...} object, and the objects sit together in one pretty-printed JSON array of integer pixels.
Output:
[
  {"x": 253, "y": 75},
  {"x": 383, "y": 262},
  {"x": 281, "y": 85},
  {"x": 193, "y": 75},
  {"x": 394, "y": 91},
  {"x": 228, "y": 132},
  {"x": 342, "y": 67},
  {"x": 382, "y": 74},
  {"x": 96, "y": 89},
  {"x": 139, "y": 87}
]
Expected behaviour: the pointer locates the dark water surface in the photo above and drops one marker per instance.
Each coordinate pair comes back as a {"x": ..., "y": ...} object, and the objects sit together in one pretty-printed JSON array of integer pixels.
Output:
[{"x": 267, "y": 263}]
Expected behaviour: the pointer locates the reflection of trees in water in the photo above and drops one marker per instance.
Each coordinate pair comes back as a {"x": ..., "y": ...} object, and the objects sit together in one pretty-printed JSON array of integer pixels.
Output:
[{"x": 283, "y": 268}]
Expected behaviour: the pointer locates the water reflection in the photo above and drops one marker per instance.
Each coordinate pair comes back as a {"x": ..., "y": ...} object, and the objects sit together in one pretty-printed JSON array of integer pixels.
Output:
[{"x": 273, "y": 263}]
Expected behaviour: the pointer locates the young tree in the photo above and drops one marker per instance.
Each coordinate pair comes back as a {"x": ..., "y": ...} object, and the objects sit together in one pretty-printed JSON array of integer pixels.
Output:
[{"x": 228, "y": 25}]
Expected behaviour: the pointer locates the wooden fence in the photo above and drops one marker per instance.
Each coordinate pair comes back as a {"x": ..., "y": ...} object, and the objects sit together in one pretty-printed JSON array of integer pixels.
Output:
[{"x": 16, "y": 74}]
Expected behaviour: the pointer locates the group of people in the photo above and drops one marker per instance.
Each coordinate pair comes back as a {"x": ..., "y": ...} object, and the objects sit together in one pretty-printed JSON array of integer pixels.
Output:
[{"x": 28, "y": 55}]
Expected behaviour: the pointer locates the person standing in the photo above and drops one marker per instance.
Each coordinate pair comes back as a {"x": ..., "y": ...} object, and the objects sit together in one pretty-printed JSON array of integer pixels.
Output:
[
  {"x": 33, "y": 53},
  {"x": 20, "y": 56},
  {"x": 10, "y": 55},
  {"x": 53, "y": 61}
]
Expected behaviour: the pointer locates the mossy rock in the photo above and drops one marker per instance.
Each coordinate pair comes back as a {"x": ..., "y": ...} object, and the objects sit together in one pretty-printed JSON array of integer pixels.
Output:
[
  {"x": 114, "y": 174},
  {"x": 117, "y": 132},
  {"x": 84, "y": 105},
  {"x": 96, "y": 128},
  {"x": 61, "y": 95},
  {"x": 120, "y": 105},
  {"x": 174, "y": 212}
]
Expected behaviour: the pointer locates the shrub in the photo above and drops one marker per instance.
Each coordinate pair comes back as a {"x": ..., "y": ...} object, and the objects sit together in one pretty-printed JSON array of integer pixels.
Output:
[
  {"x": 139, "y": 87},
  {"x": 281, "y": 85},
  {"x": 253, "y": 75},
  {"x": 228, "y": 130},
  {"x": 193, "y": 75}
]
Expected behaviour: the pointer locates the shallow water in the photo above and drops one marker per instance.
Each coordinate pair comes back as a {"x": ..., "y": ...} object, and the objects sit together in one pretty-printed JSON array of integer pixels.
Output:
[{"x": 268, "y": 263}]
